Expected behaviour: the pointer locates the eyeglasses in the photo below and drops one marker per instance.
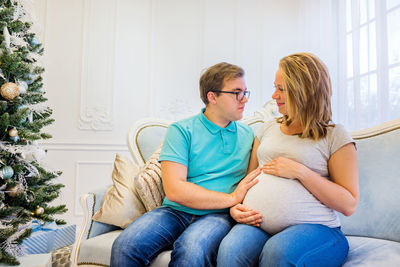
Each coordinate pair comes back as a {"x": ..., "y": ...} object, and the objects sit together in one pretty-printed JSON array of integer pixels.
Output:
[{"x": 239, "y": 95}]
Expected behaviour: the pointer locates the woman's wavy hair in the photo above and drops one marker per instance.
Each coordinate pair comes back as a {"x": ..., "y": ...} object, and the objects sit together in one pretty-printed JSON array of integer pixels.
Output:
[{"x": 308, "y": 92}]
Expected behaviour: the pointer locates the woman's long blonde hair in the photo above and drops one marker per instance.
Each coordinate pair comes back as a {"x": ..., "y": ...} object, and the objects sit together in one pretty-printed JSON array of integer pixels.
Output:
[{"x": 308, "y": 92}]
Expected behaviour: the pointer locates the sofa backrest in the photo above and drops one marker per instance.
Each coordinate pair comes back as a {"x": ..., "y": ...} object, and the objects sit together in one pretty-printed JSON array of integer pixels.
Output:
[
  {"x": 146, "y": 135},
  {"x": 378, "y": 211}
]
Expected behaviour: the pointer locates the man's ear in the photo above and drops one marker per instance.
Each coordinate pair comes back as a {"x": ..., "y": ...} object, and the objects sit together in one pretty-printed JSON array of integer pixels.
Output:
[{"x": 211, "y": 97}]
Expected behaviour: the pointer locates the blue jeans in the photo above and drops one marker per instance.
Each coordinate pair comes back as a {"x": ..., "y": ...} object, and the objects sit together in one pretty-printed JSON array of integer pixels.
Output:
[
  {"x": 297, "y": 245},
  {"x": 194, "y": 240}
]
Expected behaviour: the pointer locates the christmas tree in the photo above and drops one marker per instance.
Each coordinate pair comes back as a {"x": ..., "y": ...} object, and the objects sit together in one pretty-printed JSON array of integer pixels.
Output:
[{"x": 26, "y": 186}]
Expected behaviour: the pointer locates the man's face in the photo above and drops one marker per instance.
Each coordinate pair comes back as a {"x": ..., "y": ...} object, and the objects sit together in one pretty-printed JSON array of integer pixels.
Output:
[{"x": 231, "y": 108}]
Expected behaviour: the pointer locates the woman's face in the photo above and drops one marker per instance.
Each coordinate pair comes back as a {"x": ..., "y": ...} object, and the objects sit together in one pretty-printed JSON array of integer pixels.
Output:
[{"x": 279, "y": 94}]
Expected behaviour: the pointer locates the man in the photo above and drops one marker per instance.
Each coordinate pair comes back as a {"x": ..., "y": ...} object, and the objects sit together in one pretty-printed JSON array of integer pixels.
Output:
[{"x": 203, "y": 161}]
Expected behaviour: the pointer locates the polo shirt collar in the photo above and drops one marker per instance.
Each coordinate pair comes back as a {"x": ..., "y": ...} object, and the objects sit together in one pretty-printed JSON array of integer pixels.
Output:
[{"x": 213, "y": 128}]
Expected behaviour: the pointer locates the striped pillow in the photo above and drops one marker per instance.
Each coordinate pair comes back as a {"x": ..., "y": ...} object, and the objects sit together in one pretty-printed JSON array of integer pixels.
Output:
[{"x": 148, "y": 182}]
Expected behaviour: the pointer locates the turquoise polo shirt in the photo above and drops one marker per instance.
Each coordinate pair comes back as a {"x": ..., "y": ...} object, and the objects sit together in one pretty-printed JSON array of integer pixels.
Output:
[{"x": 216, "y": 158}]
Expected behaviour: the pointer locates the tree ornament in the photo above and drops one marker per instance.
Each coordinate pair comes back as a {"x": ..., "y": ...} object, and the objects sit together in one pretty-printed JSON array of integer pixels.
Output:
[
  {"x": 6, "y": 172},
  {"x": 16, "y": 190},
  {"x": 39, "y": 210},
  {"x": 39, "y": 154},
  {"x": 29, "y": 195},
  {"x": 30, "y": 117},
  {"x": 23, "y": 86},
  {"x": 34, "y": 41},
  {"x": 7, "y": 37},
  {"x": 13, "y": 132},
  {"x": 15, "y": 138},
  {"x": 31, "y": 78},
  {"x": 9, "y": 91},
  {"x": 27, "y": 155}
]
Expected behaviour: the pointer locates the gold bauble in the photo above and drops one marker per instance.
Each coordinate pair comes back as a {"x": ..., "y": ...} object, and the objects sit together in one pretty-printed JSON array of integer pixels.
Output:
[
  {"x": 9, "y": 91},
  {"x": 13, "y": 132},
  {"x": 39, "y": 210},
  {"x": 15, "y": 190}
]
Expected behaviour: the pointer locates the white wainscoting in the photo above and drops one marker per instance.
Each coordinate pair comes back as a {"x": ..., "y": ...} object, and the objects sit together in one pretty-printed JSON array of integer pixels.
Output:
[{"x": 85, "y": 166}]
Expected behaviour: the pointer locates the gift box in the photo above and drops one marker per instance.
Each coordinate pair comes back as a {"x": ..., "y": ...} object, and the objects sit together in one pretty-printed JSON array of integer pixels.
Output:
[{"x": 48, "y": 238}]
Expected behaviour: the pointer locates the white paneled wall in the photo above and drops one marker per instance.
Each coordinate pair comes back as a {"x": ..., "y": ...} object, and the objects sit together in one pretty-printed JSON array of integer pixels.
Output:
[{"x": 109, "y": 63}]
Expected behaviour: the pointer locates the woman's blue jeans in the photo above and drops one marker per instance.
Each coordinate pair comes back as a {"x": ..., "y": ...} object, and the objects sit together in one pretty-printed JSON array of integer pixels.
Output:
[
  {"x": 298, "y": 245},
  {"x": 194, "y": 240}
]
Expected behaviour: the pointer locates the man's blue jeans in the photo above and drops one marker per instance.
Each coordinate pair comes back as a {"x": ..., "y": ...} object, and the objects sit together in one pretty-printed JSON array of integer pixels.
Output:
[
  {"x": 194, "y": 240},
  {"x": 298, "y": 245}
]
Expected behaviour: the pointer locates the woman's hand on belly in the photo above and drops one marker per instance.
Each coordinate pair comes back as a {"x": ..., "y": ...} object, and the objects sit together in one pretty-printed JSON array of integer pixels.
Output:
[
  {"x": 245, "y": 215},
  {"x": 284, "y": 167}
]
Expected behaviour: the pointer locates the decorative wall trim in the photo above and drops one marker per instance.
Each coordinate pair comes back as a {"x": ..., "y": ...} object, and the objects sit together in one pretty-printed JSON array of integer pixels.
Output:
[
  {"x": 77, "y": 210},
  {"x": 150, "y": 59},
  {"x": 83, "y": 146},
  {"x": 98, "y": 56}
]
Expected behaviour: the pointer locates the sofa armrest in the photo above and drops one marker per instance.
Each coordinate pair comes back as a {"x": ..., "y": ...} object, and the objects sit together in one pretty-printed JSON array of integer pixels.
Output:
[{"x": 90, "y": 203}]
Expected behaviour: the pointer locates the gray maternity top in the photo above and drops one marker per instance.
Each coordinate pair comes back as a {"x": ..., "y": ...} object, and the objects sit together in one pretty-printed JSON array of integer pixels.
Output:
[{"x": 284, "y": 202}]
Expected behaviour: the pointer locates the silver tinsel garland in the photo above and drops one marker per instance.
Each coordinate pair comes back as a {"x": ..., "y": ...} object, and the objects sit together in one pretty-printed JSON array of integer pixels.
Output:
[{"x": 10, "y": 245}]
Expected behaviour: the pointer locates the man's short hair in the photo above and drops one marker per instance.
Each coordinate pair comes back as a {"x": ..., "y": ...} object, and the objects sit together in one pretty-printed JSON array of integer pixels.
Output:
[{"x": 215, "y": 77}]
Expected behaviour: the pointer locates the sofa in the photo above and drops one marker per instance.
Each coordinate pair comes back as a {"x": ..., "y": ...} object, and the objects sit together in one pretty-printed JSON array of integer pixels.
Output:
[{"x": 373, "y": 230}]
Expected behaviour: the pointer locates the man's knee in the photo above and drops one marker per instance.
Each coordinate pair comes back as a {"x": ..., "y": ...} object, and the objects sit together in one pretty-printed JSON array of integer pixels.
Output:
[
  {"x": 193, "y": 256},
  {"x": 126, "y": 251}
]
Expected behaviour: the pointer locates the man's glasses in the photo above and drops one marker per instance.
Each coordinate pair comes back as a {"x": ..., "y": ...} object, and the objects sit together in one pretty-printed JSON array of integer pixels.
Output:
[{"x": 239, "y": 95}]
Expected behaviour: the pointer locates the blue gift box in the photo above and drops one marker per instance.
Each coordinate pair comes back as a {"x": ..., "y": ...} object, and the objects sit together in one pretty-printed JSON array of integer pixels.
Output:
[{"x": 48, "y": 238}]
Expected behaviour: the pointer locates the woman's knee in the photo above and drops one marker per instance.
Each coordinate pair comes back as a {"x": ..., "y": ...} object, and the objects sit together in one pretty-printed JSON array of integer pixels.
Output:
[{"x": 311, "y": 245}]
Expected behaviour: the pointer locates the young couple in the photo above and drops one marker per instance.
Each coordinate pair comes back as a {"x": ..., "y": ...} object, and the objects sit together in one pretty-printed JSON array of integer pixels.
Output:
[{"x": 233, "y": 199}]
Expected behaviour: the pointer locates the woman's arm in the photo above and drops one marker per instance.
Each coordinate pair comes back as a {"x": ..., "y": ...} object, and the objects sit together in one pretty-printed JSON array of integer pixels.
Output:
[
  {"x": 253, "y": 162},
  {"x": 341, "y": 194}
]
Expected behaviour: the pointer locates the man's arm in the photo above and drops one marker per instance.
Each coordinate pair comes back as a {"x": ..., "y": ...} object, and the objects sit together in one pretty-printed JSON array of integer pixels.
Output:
[{"x": 179, "y": 190}]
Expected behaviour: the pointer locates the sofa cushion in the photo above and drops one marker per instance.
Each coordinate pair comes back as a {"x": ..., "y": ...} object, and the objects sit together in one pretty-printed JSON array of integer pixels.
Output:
[
  {"x": 97, "y": 250},
  {"x": 148, "y": 182},
  {"x": 364, "y": 252},
  {"x": 378, "y": 211},
  {"x": 121, "y": 205},
  {"x": 372, "y": 252}
]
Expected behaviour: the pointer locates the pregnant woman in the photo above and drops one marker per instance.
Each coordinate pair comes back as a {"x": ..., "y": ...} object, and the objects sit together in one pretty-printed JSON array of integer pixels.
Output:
[{"x": 309, "y": 173}]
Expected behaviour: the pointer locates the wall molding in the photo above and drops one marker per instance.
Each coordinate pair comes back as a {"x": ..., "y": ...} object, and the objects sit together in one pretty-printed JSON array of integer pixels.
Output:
[
  {"x": 98, "y": 58},
  {"x": 66, "y": 145}
]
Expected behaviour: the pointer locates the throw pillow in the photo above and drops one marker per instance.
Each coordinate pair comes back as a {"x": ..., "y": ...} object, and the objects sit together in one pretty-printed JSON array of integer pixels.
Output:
[
  {"x": 149, "y": 184},
  {"x": 121, "y": 205}
]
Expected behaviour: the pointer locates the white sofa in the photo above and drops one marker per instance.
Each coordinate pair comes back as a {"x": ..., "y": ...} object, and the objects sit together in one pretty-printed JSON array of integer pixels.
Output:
[{"x": 373, "y": 231}]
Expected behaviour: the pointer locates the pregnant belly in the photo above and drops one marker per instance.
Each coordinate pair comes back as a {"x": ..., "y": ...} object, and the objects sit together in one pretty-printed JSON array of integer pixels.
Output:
[{"x": 285, "y": 202}]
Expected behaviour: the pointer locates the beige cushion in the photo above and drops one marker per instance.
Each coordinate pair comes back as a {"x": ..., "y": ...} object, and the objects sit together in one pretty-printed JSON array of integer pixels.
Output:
[
  {"x": 121, "y": 205},
  {"x": 148, "y": 183},
  {"x": 97, "y": 250}
]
